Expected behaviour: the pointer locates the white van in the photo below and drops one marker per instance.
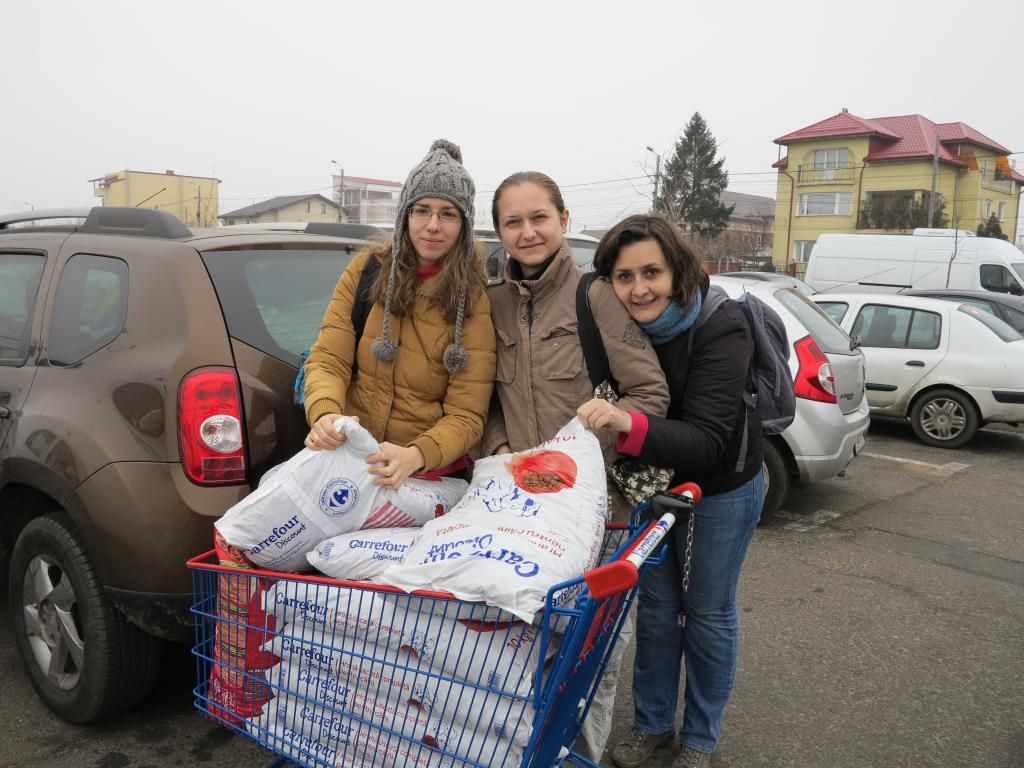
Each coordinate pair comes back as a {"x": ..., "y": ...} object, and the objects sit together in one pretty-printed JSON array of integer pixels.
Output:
[{"x": 889, "y": 263}]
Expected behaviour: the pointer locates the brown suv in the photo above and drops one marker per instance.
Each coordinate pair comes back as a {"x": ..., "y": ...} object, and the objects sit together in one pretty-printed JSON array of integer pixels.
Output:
[{"x": 146, "y": 377}]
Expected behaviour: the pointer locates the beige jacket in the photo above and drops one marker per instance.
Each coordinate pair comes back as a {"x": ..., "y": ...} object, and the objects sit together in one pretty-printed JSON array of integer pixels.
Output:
[
  {"x": 542, "y": 377},
  {"x": 413, "y": 400}
]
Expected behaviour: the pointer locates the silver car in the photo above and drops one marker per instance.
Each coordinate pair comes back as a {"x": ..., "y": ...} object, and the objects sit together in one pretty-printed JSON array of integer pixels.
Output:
[{"x": 832, "y": 414}]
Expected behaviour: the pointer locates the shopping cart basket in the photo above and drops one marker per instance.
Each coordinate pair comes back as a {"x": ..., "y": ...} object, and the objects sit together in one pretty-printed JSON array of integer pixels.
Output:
[{"x": 332, "y": 673}]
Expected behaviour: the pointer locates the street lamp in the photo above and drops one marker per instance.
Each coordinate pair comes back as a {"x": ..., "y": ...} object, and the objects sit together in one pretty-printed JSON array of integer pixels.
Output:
[
  {"x": 341, "y": 188},
  {"x": 657, "y": 177}
]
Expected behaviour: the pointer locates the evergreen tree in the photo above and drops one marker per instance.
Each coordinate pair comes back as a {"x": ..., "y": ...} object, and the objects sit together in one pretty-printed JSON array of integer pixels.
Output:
[
  {"x": 991, "y": 228},
  {"x": 693, "y": 182}
]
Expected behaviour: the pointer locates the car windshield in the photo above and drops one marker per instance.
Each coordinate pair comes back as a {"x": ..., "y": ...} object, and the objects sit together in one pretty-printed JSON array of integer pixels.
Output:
[
  {"x": 829, "y": 336},
  {"x": 994, "y": 324},
  {"x": 834, "y": 309},
  {"x": 582, "y": 252},
  {"x": 1018, "y": 267}
]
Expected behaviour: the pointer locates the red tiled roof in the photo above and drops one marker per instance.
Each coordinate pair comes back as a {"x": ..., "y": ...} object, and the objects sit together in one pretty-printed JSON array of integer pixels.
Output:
[
  {"x": 918, "y": 138},
  {"x": 782, "y": 164},
  {"x": 842, "y": 124},
  {"x": 900, "y": 137},
  {"x": 962, "y": 132}
]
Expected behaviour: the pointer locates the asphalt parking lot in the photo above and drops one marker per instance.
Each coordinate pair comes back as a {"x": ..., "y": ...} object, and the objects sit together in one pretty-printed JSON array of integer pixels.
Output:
[{"x": 882, "y": 620}]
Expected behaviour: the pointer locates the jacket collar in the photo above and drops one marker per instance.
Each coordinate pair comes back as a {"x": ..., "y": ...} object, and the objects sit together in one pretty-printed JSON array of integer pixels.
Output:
[{"x": 562, "y": 269}]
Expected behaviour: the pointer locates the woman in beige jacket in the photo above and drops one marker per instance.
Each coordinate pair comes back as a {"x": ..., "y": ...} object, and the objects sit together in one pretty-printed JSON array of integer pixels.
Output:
[
  {"x": 542, "y": 376},
  {"x": 425, "y": 361}
]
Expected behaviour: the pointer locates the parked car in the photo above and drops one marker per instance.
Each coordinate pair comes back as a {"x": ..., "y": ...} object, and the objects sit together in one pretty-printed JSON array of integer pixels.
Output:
[
  {"x": 775, "y": 277},
  {"x": 1009, "y": 309},
  {"x": 832, "y": 417},
  {"x": 583, "y": 249},
  {"x": 947, "y": 366},
  {"x": 333, "y": 228},
  {"x": 146, "y": 378}
]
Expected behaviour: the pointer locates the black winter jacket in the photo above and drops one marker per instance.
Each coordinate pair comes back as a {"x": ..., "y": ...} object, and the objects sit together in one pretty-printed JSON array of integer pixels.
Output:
[{"x": 700, "y": 438}]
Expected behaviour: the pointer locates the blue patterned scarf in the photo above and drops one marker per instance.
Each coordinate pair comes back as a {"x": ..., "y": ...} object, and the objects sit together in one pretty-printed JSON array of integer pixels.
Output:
[{"x": 673, "y": 321}]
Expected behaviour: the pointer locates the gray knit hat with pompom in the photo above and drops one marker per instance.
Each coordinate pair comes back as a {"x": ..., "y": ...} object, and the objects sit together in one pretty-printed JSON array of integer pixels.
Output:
[{"x": 440, "y": 175}]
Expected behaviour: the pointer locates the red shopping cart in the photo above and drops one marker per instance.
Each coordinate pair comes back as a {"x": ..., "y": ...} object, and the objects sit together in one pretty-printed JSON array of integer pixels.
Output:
[{"x": 335, "y": 674}]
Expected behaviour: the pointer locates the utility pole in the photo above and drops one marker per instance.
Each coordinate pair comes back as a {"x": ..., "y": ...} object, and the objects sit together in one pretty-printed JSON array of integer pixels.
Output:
[
  {"x": 341, "y": 189},
  {"x": 935, "y": 174},
  {"x": 657, "y": 178}
]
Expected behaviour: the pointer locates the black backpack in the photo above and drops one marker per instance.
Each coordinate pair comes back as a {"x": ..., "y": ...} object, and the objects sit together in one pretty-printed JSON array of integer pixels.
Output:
[
  {"x": 360, "y": 311},
  {"x": 772, "y": 396}
]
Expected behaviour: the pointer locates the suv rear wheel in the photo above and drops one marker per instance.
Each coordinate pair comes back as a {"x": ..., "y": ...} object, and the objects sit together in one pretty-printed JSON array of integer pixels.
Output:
[{"x": 85, "y": 660}]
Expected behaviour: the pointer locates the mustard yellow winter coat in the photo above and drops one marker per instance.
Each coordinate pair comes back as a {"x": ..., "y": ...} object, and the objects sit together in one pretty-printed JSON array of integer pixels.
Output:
[{"x": 413, "y": 400}]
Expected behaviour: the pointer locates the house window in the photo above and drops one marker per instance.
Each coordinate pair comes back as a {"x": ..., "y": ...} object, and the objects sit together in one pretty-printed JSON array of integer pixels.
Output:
[
  {"x": 1002, "y": 211},
  {"x": 825, "y": 204},
  {"x": 802, "y": 251},
  {"x": 323, "y": 207},
  {"x": 832, "y": 158},
  {"x": 307, "y": 206}
]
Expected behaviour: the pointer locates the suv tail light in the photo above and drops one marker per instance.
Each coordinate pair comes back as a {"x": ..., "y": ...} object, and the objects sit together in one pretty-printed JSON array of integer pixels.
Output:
[
  {"x": 210, "y": 430},
  {"x": 814, "y": 378}
]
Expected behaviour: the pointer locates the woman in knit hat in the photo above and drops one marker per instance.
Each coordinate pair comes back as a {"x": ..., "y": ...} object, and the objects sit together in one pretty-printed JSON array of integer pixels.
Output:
[{"x": 420, "y": 379}]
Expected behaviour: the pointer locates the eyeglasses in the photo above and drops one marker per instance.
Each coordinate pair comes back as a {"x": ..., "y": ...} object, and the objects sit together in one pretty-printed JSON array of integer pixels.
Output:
[{"x": 445, "y": 215}]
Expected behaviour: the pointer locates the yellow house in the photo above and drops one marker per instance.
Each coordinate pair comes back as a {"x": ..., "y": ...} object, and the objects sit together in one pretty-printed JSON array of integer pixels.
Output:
[
  {"x": 193, "y": 199},
  {"x": 847, "y": 174},
  {"x": 293, "y": 208}
]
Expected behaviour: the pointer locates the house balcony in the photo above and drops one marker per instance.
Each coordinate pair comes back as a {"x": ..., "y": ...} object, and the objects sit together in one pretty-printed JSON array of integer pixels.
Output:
[
  {"x": 996, "y": 181},
  {"x": 810, "y": 174}
]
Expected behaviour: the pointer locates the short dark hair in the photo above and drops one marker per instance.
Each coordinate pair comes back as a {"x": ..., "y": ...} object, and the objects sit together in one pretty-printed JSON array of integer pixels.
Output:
[{"x": 683, "y": 257}]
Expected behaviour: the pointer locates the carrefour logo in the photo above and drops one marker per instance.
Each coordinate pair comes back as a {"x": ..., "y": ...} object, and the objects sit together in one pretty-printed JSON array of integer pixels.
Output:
[{"x": 339, "y": 497}]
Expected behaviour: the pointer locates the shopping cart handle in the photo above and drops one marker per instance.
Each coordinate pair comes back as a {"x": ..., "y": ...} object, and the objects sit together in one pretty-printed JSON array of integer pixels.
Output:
[{"x": 622, "y": 574}]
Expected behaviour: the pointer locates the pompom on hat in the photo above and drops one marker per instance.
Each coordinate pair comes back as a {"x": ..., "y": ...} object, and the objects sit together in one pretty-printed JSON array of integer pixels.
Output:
[{"x": 439, "y": 175}]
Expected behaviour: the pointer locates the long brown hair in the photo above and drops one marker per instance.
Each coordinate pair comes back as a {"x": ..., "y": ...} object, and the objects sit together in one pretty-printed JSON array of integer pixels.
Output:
[
  {"x": 458, "y": 269},
  {"x": 682, "y": 256}
]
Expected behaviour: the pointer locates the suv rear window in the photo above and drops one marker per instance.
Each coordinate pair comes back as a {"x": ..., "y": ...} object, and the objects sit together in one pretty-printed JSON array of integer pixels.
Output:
[
  {"x": 275, "y": 300},
  {"x": 829, "y": 336}
]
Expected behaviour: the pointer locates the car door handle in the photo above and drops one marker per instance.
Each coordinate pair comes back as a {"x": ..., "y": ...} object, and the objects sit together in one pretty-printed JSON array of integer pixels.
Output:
[
  {"x": 5, "y": 412},
  {"x": 916, "y": 363}
]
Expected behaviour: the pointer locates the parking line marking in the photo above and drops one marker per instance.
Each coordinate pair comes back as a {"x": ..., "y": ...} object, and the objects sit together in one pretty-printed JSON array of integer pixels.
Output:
[
  {"x": 803, "y": 523},
  {"x": 939, "y": 469}
]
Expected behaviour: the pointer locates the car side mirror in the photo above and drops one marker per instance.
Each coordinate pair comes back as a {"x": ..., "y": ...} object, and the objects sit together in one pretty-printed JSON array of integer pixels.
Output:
[
  {"x": 855, "y": 342},
  {"x": 1016, "y": 290}
]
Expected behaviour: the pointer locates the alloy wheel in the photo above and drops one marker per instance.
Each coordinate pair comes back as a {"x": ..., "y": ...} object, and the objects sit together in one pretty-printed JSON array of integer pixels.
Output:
[{"x": 52, "y": 623}]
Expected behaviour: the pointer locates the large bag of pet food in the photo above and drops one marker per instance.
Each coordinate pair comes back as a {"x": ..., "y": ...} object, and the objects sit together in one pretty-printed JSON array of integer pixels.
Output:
[
  {"x": 318, "y": 494},
  {"x": 363, "y": 554},
  {"x": 349, "y": 733},
  {"x": 496, "y": 655},
  {"x": 528, "y": 521}
]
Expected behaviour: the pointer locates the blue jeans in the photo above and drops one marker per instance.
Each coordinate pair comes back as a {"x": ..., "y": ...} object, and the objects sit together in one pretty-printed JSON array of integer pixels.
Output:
[{"x": 723, "y": 527}]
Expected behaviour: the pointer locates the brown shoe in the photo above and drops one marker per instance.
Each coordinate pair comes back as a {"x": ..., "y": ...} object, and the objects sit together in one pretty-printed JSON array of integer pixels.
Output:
[
  {"x": 691, "y": 758},
  {"x": 634, "y": 751}
]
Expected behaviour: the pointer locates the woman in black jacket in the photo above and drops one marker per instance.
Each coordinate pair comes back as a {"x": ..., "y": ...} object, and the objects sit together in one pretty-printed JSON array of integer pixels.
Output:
[{"x": 656, "y": 274}]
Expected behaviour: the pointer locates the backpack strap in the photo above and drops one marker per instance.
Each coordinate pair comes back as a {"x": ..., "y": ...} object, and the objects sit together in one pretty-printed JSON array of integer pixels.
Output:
[
  {"x": 594, "y": 353},
  {"x": 363, "y": 302},
  {"x": 715, "y": 298}
]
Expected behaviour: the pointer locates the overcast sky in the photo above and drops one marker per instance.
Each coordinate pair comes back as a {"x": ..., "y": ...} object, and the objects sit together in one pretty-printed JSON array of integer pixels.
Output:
[{"x": 264, "y": 95}]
